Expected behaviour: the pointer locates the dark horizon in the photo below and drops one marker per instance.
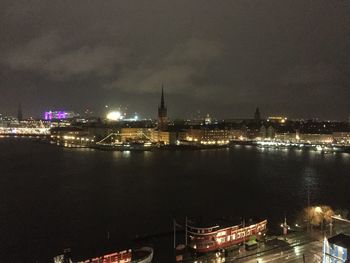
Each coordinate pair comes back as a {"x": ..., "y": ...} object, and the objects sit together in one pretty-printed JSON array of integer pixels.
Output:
[
  {"x": 223, "y": 58},
  {"x": 190, "y": 115}
]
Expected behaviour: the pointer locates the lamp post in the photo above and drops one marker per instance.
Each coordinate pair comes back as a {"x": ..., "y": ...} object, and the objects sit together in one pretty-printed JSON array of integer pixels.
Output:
[
  {"x": 319, "y": 211},
  {"x": 285, "y": 227}
]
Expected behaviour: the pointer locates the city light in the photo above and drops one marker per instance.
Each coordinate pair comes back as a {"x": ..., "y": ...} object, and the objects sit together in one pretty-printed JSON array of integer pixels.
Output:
[{"x": 114, "y": 116}]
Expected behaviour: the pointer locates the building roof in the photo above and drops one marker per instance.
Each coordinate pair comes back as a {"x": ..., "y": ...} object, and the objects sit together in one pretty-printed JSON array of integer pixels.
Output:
[{"x": 341, "y": 240}]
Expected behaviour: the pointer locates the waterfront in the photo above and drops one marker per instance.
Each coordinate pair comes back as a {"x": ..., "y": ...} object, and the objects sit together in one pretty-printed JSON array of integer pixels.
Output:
[{"x": 55, "y": 197}]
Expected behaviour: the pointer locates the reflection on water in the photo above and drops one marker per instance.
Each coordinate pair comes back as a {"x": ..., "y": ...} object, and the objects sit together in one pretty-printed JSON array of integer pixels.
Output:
[
  {"x": 310, "y": 179},
  {"x": 54, "y": 197}
]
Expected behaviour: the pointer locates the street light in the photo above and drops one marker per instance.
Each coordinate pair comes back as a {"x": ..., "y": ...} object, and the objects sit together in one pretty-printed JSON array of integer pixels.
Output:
[
  {"x": 319, "y": 211},
  {"x": 285, "y": 228}
]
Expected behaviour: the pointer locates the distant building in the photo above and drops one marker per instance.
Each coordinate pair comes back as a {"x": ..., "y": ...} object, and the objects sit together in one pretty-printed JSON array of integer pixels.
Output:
[
  {"x": 207, "y": 119},
  {"x": 162, "y": 114},
  {"x": 136, "y": 134},
  {"x": 59, "y": 115},
  {"x": 162, "y": 137},
  {"x": 314, "y": 138},
  {"x": 277, "y": 119},
  {"x": 336, "y": 249},
  {"x": 267, "y": 132},
  {"x": 341, "y": 137},
  {"x": 69, "y": 132},
  {"x": 257, "y": 116},
  {"x": 210, "y": 135},
  {"x": 287, "y": 136}
]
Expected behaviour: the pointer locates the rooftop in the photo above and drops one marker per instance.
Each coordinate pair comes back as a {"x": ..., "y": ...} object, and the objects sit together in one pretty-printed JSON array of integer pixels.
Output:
[{"x": 341, "y": 240}]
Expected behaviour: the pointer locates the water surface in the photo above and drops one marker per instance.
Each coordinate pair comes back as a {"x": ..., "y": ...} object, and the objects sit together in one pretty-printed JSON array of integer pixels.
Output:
[{"x": 57, "y": 197}]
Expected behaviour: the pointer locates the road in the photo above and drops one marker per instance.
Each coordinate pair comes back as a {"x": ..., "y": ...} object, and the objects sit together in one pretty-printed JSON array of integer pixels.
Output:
[
  {"x": 312, "y": 252},
  {"x": 278, "y": 250}
]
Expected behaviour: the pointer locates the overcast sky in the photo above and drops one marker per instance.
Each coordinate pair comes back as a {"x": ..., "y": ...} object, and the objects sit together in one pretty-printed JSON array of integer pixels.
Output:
[{"x": 222, "y": 57}]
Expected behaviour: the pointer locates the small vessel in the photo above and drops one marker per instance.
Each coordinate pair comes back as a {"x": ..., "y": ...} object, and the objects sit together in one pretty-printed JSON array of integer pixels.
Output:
[
  {"x": 140, "y": 255},
  {"x": 219, "y": 236}
]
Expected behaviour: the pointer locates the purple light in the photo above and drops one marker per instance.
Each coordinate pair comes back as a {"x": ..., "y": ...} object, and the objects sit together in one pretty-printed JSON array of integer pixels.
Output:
[
  {"x": 58, "y": 115},
  {"x": 48, "y": 115}
]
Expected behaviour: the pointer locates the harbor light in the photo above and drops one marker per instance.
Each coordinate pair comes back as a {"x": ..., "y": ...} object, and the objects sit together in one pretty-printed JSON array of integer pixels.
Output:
[{"x": 114, "y": 116}]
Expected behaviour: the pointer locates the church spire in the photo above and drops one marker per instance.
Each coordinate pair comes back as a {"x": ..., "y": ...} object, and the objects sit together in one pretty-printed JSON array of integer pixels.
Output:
[
  {"x": 162, "y": 113},
  {"x": 257, "y": 115},
  {"x": 162, "y": 103}
]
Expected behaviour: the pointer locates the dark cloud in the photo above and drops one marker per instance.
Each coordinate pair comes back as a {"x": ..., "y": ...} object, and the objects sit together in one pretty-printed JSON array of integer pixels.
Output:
[
  {"x": 222, "y": 57},
  {"x": 180, "y": 70},
  {"x": 47, "y": 54}
]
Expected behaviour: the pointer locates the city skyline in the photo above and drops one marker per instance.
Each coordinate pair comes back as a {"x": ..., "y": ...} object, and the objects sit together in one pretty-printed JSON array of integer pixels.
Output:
[
  {"x": 224, "y": 58},
  {"x": 196, "y": 114}
]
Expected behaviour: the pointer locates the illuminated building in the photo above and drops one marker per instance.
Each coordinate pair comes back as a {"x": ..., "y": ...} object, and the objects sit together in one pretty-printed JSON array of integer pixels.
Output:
[
  {"x": 336, "y": 249},
  {"x": 162, "y": 114},
  {"x": 287, "y": 136},
  {"x": 207, "y": 120},
  {"x": 277, "y": 119},
  {"x": 315, "y": 138},
  {"x": 135, "y": 134},
  {"x": 341, "y": 137},
  {"x": 59, "y": 115},
  {"x": 162, "y": 137},
  {"x": 210, "y": 136}
]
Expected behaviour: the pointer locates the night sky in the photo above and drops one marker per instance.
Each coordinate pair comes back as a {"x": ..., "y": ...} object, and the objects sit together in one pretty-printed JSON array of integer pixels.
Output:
[{"x": 222, "y": 57}]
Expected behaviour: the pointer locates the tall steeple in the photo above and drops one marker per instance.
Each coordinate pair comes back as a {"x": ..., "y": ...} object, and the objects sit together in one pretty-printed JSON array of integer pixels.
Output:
[
  {"x": 162, "y": 103},
  {"x": 257, "y": 116},
  {"x": 162, "y": 113}
]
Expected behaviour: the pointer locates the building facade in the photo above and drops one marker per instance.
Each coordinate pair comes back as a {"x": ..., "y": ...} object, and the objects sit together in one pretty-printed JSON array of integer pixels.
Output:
[{"x": 336, "y": 249}]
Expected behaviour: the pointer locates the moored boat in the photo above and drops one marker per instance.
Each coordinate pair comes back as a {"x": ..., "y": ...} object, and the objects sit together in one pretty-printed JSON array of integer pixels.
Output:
[
  {"x": 140, "y": 255},
  {"x": 214, "y": 237}
]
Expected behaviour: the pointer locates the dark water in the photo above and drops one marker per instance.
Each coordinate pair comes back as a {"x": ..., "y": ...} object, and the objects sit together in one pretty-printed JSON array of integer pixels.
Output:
[{"x": 53, "y": 198}]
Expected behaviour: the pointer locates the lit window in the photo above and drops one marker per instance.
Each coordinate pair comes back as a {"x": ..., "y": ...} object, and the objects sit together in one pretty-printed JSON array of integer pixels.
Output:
[{"x": 222, "y": 233}]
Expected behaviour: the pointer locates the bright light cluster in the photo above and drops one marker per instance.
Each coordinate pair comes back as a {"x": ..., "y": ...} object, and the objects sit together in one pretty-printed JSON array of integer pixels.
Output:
[
  {"x": 26, "y": 131},
  {"x": 114, "y": 116}
]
